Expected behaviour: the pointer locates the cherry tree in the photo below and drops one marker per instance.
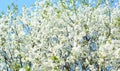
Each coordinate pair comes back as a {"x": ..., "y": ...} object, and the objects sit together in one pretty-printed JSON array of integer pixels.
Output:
[{"x": 61, "y": 36}]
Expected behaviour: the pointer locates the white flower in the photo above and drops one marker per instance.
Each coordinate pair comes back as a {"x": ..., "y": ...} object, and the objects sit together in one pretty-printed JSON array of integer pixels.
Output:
[{"x": 22, "y": 69}]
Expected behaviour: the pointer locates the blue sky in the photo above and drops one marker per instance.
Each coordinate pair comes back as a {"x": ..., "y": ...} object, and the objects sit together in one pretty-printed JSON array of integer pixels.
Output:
[{"x": 4, "y": 4}]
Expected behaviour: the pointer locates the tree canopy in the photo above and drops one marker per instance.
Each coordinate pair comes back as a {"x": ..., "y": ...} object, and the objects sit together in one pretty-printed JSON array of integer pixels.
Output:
[{"x": 62, "y": 35}]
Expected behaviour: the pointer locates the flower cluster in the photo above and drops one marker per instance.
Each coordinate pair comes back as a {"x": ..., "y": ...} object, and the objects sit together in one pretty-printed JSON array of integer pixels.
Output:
[{"x": 58, "y": 36}]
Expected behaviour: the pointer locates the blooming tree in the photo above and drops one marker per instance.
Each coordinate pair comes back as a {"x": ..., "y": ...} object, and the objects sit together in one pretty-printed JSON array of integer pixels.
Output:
[{"x": 61, "y": 36}]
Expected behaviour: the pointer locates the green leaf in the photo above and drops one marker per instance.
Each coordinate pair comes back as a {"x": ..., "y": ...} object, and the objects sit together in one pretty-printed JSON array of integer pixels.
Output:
[
  {"x": 47, "y": 4},
  {"x": 45, "y": 12},
  {"x": 63, "y": 5},
  {"x": 8, "y": 7},
  {"x": 54, "y": 58},
  {"x": 0, "y": 16},
  {"x": 56, "y": 68},
  {"x": 27, "y": 68},
  {"x": 119, "y": 53},
  {"x": 17, "y": 66}
]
